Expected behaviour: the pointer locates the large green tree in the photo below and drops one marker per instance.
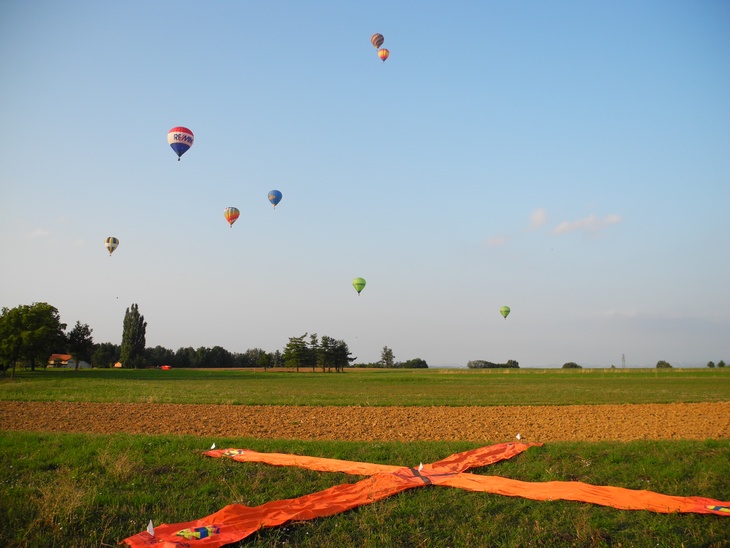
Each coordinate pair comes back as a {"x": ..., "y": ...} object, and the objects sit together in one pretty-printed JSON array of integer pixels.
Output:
[
  {"x": 296, "y": 352},
  {"x": 30, "y": 333},
  {"x": 249, "y": 358},
  {"x": 313, "y": 356},
  {"x": 133, "y": 338},
  {"x": 341, "y": 356},
  {"x": 185, "y": 357},
  {"x": 387, "y": 359},
  {"x": 264, "y": 360},
  {"x": 159, "y": 355},
  {"x": 219, "y": 357},
  {"x": 105, "y": 355},
  {"x": 80, "y": 344},
  {"x": 325, "y": 353},
  {"x": 333, "y": 353}
]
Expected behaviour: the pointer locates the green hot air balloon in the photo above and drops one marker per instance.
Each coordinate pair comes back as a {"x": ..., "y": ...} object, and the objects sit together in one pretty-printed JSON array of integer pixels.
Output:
[
  {"x": 504, "y": 311},
  {"x": 358, "y": 284}
]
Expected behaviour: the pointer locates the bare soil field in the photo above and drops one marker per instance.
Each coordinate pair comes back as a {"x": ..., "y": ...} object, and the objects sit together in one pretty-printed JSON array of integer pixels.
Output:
[{"x": 696, "y": 421}]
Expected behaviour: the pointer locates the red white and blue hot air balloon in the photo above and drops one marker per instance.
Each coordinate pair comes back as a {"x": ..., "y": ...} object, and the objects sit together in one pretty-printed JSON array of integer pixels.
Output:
[{"x": 180, "y": 140}]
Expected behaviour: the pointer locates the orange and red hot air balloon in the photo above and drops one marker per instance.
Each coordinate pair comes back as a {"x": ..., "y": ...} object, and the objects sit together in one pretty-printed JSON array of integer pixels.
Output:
[
  {"x": 383, "y": 54},
  {"x": 231, "y": 214}
]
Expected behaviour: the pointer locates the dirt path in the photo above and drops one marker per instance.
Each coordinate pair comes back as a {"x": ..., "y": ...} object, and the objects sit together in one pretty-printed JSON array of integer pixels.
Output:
[{"x": 494, "y": 424}]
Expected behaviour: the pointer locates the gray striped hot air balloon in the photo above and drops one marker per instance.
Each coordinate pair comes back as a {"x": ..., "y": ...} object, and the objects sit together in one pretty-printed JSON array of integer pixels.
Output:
[
  {"x": 377, "y": 40},
  {"x": 111, "y": 243}
]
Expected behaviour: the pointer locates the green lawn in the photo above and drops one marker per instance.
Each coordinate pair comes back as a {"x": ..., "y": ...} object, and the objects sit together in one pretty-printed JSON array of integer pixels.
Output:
[
  {"x": 95, "y": 490},
  {"x": 92, "y": 490},
  {"x": 357, "y": 387}
]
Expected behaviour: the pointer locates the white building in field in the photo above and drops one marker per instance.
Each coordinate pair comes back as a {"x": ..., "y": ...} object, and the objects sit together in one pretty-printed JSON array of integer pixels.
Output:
[{"x": 66, "y": 361}]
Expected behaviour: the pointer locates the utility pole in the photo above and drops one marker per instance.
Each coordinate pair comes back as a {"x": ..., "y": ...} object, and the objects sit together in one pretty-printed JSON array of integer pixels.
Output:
[{"x": 623, "y": 361}]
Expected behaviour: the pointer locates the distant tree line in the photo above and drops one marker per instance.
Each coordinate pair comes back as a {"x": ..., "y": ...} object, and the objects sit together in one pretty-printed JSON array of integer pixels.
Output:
[
  {"x": 30, "y": 334},
  {"x": 387, "y": 361},
  {"x": 107, "y": 354},
  {"x": 133, "y": 353},
  {"x": 483, "y": 364},
  {"x": 415, "y": 363}
]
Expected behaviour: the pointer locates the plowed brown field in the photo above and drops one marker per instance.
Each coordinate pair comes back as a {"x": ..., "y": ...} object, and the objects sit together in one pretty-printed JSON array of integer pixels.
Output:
[{"x": 534, "y": 423}]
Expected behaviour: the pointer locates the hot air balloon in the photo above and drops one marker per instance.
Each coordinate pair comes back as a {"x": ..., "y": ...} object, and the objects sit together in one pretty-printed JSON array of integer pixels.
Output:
[
  {"x": 274, "y": 197},
  {"x": 383, "y": 54},
  {"x": 504, "y": 311},
  {"x": 111, "y": 243},
  {"x": 231, "y": 214},
  {"x": 377, "y": 40},
  {"x": 180, "y": 139},
  {"x": 358, "y": 284}
]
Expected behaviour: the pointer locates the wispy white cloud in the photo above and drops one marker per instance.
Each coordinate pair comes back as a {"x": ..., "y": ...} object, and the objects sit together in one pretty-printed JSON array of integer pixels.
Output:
[
  {"x": 496, "y": 241},
  {"x": 620, "y": 314},
  {"x": 38, "y": 233},
  {"x": 45, "y": 237},
  {"x": 651, "y": 315},
  {"x": 538, "y": 218},
  {"x": 587, "y": 224}
]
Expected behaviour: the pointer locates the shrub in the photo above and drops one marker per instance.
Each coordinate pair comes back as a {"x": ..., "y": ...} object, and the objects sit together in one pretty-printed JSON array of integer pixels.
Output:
[
  {"x": 572, "y": 365},
  {"x": 662, "y": 364},
  {"x": 415, "y": 363},
  {"x": 483, "y": 364}
]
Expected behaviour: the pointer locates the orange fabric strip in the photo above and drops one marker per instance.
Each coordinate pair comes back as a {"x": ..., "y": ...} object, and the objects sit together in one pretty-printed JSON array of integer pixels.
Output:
[
  {"x": 236, "y": 522},
  {"x": 615, "y": 497}
]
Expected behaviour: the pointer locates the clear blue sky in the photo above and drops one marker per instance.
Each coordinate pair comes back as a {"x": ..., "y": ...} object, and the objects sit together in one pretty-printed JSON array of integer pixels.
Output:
[{"x": 569, "y": 159}]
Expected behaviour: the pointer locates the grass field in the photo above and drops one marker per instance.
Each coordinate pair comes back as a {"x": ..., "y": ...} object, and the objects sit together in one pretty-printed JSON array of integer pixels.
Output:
[
  {"x": 95, "y": 490},
  {"x": 379, "y": 387}
]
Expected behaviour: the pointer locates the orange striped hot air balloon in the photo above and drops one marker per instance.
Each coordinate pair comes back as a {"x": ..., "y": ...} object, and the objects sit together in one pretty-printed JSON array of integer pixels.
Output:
[
  {"x": 383, "y": 54},
  {"x": 377, "y": 40},
  {"x": 231, "y": 214}
]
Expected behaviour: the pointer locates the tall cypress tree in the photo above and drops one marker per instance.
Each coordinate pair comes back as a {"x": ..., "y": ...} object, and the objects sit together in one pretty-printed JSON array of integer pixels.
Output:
[{"x": 133, "y": 338}]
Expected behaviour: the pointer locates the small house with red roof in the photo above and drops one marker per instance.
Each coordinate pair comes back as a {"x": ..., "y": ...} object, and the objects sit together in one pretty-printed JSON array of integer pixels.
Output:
[{"x": 66, "y": 361}]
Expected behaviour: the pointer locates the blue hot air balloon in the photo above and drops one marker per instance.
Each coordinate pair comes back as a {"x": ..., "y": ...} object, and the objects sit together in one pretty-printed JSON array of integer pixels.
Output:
[{"x": 274, "y": 197}]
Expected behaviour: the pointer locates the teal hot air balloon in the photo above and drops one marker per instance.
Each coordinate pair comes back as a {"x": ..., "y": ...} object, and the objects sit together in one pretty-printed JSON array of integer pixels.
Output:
[
  {"x": 358, "y": 284},
  {"x": 274, "y": 197},
  {"x": 504, "y": 311}
]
